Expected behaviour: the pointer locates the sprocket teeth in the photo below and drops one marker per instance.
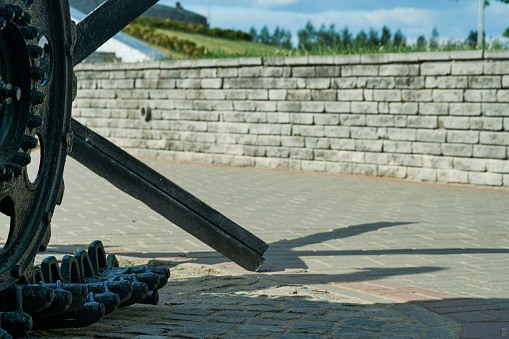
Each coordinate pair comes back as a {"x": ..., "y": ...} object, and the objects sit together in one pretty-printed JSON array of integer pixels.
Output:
[
  {"x": 61, "y": 191},
  {"x": 45, "y": 241},
  {"x": 18, "y": 13},
  {"x": 36, "y": 97},
  {"x": 34, "y": 121},
  {"x": 8, "y": 93},
  {"x": 35, "y": 51},
  {"x": 29, "y": 32},
  {"x": 22, "y": 159},
  {"x": 4, "y": 335},
  {"x": 29, "y": 142},
  {"x": 27, "y": 19},
  {"x": 6, "y": 173},
  {"x": 7, "y": 13},
  {"x": 14, "y": 168},
  {"x": 37, "y": 73},
  {"x": 74, "y": 86}
]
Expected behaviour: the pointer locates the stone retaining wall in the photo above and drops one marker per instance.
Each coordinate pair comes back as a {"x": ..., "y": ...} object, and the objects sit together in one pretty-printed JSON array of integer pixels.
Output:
[{"x": 425, "y": 116}]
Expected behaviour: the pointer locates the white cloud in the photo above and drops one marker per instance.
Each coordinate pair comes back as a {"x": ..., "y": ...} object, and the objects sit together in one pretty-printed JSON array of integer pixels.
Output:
[
  {"x": 274, "y": 3},
  {"x": 454, "y": 22},
  {"x": 243, "y": 18}
]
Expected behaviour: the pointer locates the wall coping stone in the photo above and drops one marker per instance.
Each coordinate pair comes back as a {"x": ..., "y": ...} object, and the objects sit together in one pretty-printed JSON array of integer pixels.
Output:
[
  {"x": 304, "y": 60},
  {"x": 500, "y": 54}
]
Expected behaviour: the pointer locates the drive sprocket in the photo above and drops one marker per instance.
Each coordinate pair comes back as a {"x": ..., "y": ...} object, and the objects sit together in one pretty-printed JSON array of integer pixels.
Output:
[{"x": 37, "y": 39}]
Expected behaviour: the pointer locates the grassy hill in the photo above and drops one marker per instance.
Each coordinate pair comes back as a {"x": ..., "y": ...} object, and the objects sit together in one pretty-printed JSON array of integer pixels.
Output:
[
  {"x": 220, "y": 47},
  {"x": 181, "y": 44},
  {"x": 194, "y": 41}
]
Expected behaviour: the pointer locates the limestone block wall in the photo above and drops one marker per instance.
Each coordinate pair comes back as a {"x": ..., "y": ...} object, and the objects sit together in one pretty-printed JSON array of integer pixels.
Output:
[{"x": 424, "y": 116}]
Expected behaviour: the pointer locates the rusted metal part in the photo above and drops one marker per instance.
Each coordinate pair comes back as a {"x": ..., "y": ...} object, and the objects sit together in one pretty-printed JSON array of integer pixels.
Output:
[{"x": 165, "y": 197}]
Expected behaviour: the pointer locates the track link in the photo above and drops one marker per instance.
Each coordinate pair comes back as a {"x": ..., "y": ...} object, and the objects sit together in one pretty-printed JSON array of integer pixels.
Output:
[{"x": 77, "y": 292}]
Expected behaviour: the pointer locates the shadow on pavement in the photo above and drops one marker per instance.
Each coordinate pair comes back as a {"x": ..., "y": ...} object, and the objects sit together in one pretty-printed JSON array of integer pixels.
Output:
[
  {"x": 282, "y": 256},
  {"x": 241, "y": 305},
  {"x": 365, "y": 274},
  {"x": 200, "y": 302}
]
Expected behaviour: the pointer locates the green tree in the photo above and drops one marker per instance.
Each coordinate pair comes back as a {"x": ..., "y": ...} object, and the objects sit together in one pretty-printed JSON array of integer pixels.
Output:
[
  {"x": 433, "y": 41},
  {"x": 421, "y": 42},
  {"x": 327, "y": 37},
  {"x": 399, "y": 39},
  {"x": 286, "y": 39},
  {"x": 346, "y": 37},
  {"x": 506, "y": 33},
  {"x": 281, "y": 38},
  {"x": 361, "y": 39},
  {"x": 264, "y": 36},
  {"x": 487, "y": 3},
  {"x": 373, "y": 40},
  {"x": 385, "y": 39},
  {"x": 276, "y": 37},
  {"x": 307, "y": 36},
  {"x": 472, "y": 38},
  {"x": 253, "y": 32}
]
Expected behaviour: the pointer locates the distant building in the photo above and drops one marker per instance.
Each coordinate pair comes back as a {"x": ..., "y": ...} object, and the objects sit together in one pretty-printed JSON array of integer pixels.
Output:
[
  {"x": 157, "y": 11},
  {"x": 121, "y": 47}
]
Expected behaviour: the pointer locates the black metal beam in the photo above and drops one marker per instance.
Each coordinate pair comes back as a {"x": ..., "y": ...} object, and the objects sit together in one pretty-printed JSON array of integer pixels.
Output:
[
  {"x": 104, "y": 22},
  {"x": 166, "y": 198}
]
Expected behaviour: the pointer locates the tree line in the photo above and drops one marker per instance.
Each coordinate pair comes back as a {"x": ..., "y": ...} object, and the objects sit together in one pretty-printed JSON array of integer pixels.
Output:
[{"x": 326, "y": 38}]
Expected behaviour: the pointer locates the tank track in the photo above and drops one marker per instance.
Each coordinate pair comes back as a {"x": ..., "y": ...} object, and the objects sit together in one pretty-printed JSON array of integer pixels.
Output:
[{"x": 77, "y": 292}]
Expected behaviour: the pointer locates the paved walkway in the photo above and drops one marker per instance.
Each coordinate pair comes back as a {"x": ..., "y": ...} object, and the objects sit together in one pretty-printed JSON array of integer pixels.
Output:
[{"x": 348, "y": 256}]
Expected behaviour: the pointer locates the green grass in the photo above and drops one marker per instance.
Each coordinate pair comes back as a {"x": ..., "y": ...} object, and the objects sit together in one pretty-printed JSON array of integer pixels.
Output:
[
  {"x": 215, "y": 47},
  {"x": 220, "y": 47}
]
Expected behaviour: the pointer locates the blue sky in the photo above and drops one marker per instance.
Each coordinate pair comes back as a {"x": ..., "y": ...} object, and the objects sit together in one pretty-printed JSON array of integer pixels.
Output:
[{"x": 453, "y": 19}]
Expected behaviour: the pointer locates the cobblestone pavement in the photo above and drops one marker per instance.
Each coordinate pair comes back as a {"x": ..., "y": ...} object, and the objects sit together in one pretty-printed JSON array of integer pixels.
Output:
[
  {"x": 383, "y": 250},
  {"x": 202, "y": 301}
]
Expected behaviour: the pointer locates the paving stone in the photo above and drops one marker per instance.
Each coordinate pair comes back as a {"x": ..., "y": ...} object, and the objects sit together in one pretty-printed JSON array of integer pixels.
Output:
[
  {"x": 333, "y": 228},
  {"x": 312, "y": 326},
  {"x": 192, "y": 312},
  {"x": 296, "y": 335},
  {"x": 364, "y": 323},
  {"x": 184, "y": 317},
  {"x": 262, "y": 328},
  {"x": 281, "y": 316},
  {"x": 248, "y": 333},
  {"x": 180, "y": 334},
  {"x": 209, "y": 328},
  {"x": 352, "y": 332}
]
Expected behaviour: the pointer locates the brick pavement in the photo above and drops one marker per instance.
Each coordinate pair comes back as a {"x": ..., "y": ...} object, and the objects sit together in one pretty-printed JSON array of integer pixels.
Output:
[
  {"x": 339, "y": 232},
  {"x": 204, "y": 301}
]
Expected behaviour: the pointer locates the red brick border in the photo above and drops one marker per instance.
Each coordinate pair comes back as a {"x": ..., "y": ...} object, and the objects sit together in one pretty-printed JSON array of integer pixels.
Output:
[{"x": 480, "y": 318}]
